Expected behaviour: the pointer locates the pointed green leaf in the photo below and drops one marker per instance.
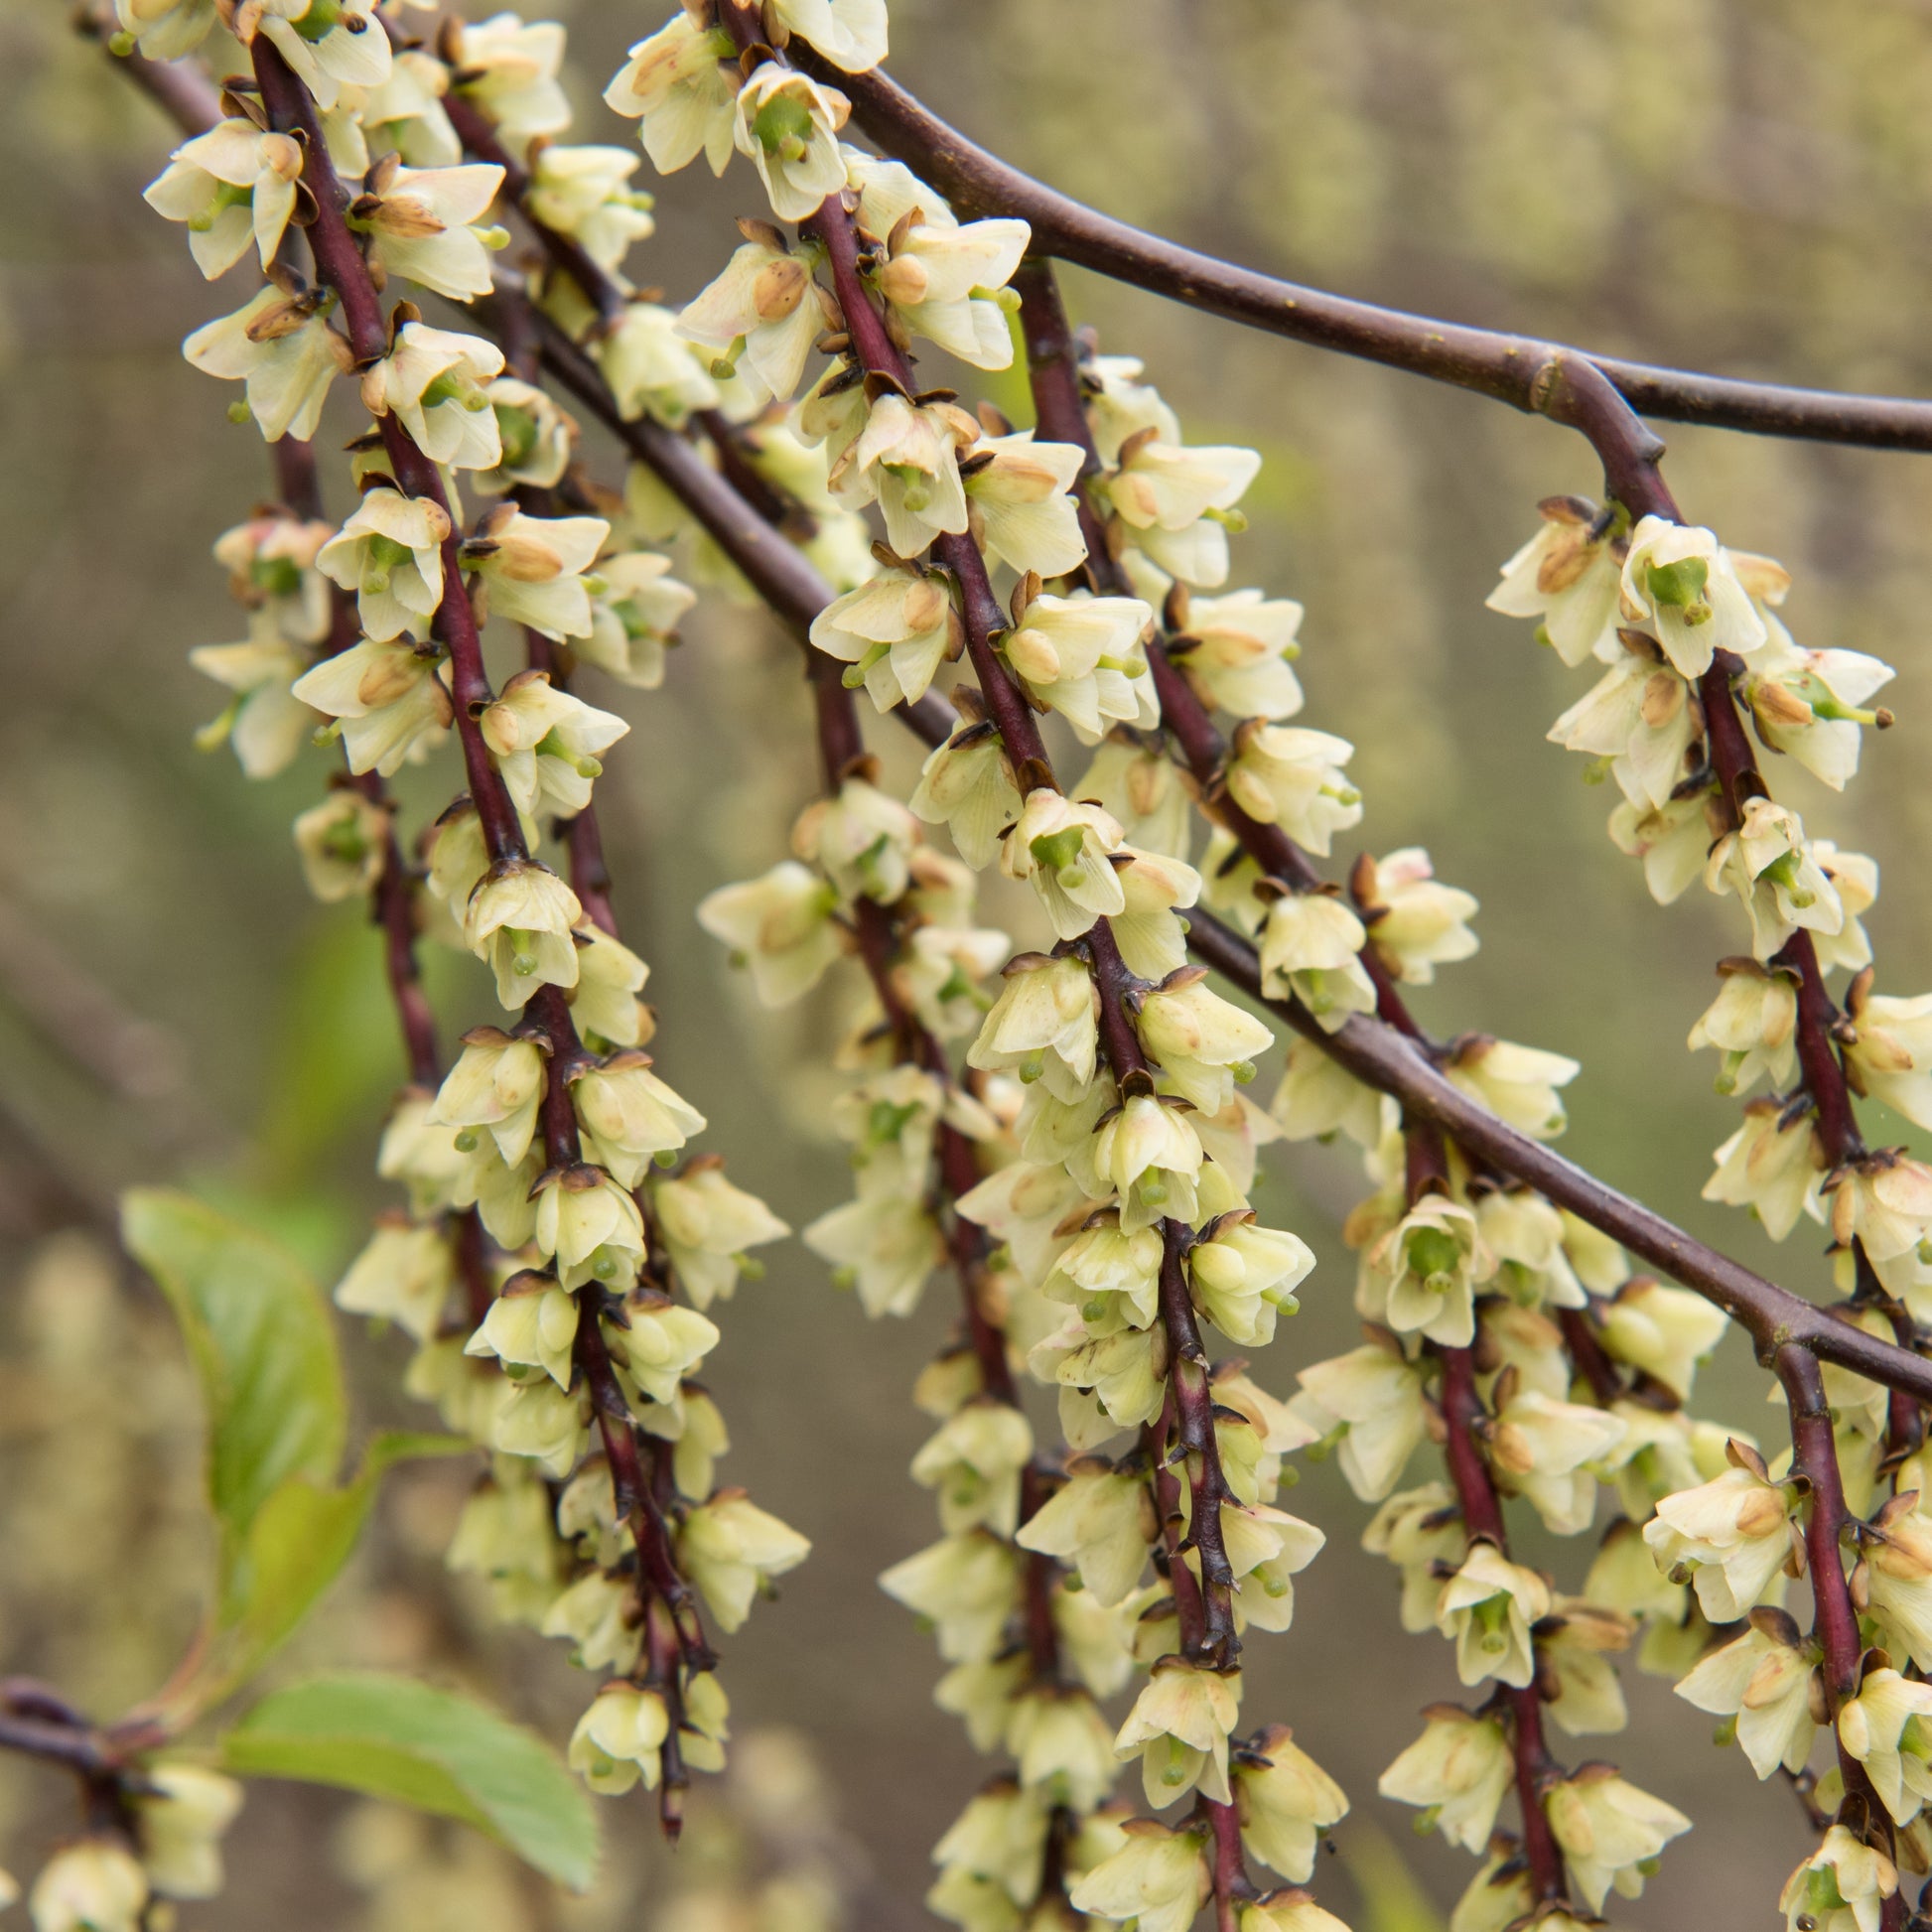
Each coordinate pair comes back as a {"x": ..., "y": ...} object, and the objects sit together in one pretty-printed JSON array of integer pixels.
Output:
[
  {"x": 258, "y": 1331},
  {"x": 396, "y": 1738}
]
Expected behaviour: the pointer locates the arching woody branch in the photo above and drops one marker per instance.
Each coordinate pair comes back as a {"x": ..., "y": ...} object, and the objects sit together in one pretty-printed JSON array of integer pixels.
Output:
[{"x": 1507, "y": 367}]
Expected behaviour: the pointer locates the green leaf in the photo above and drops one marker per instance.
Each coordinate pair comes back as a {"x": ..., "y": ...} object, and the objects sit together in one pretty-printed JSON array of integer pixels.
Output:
[
  {"x": 295, "y": 1548},
  {"x": 259, "y": 1333},
  {"x": 396, "y": 1738}
]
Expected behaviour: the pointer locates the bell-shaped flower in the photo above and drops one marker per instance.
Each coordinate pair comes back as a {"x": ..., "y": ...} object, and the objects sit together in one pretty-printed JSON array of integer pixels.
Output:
[
  {"x": 546, "y": 743},
  {"x": 1889, "y": 1052},
  {"x": 1811, "y": 703},
  {"x": 965, "y": 1585},
  {"x": 1286, "y": 1802},
  {"x": 1378, "y": 1394},
  {"x": 590, "y": 1225},
  {"x": 620, "y": 1739},
  {"x": 343, "y": 844},
  {"x": 991, "y": 1856},
  {"x": 1155, "y": 891},
  {"x": 907, "y": 458},
  {"x": 653, "y": 370},
  {"x": 1730, "y": 1537},
  {"x": 1882, "y": 1201},
  {"x": 1770, "y": 865},
  {"x": 1671, "y": 842},
  {"x": 434, "y": 381},
  {"x": 1044, "y": 1026},
  {"x": 519, "y": 923},
  {"x": 282, "y": 347},
  {"x": 896, "y": 630},
  {"x": 861, "y": 839},
  {"x": 1237, "y": 651},
  {"x": 1204, "y": 1044},
  {"x": 420, "y": 223},
  {"x": 1100, "y": 1520},
  {"x": 1421, "y": 1533},
  {"x": 544, "y": 1423},
  {"x": 1893, "y": 1580},
  {"x": 1569, "y": 576},
  {"x": 780, "y": 926},
  {"x": 973, "y": 1462},
  {"x": 681, "y": 84},
  {"x": 1123, "y": 1373},
  {"x": 1422, "y": 1276},
  {"x": 1150, "y": 1154},
  {"x": 850, "y": 34},
  {"x": 1319, "y": 1098},
  {"x": 1663, "y": 1331},
  {"x": 510, "y": 67},
  {"x": 1178, "y": 1728},
  {"x": 1292, "y": 776},
  {"x": 659, "y": 1341},
  {"x": 1175, "y": 501},
  {"x": 1680, "y": 588},
  {"x": 1063, "y": 849},
  {"x": 271, "y": 564},
  {"x": 1766, "y": 1679},
  {"x": 1770, "y": 1167},
  {"x": 1019, "y": 492},
  {"x": 1243, "y": 1275},
  {"x": 536, "y": 439},
  {"x": 179, "y": 1823},
  {"x": 1415, "y": 923},
  {"x": 95, "y": 1885},
  {"x": 1887, "y": 1728},
  {"x": 531, "y": 1324},
  {"x": 1485, "y": 1610},
  {"x": 1526, "y": 1236},
  {"x": 530, "y": 570},
  {"x": 762, "y": 313},
  {"x": 1145, "y": 792},
  {"x": 707, "y": 1225},
  {"x": 1457, "y": 1772},
  {"x": 1111, "y": 1274},
  {"x": 497, "y": 1084},
  {"x": 1516, "y": 1083},
  {"x": 937, "y": 281},
  {"x": 1753, "y": 1023},
  {"x": 1311, "y": 950},
  {"x": 164, "y": 30},
  {"x": 1609, "y": 1830},
  {"x": 1063, "y": 1747},
  {"x": 885, "y": 1247},
  {"x": 584, "y": 192},
  {"x": 634, "y": 617},
  {"x": 789, "y": 127},
  {"x": 1854, "y": 878},
  {"x": 1550, "y": 1451},
  {"x": 1082, "y": 657},
  {"x": 629, "y": 1117},
  {"x": 604, "y": 1003},
  {"x": 231, "y": 186},
  {"x": 967, "y": 785},
  {"x": 1642, "y": 716},
  {"x": 1841, "y": 1887},
  {"x": 406, "y": 111},
  {"x": 265, "y": 723},
  {"x": 329, "y": 45},
  {"x": 1573, "y": 1648},
  {"x": 390, "y": 554},
  {"x": 731, "y": 1550},
  {"x": 403, "y": 1275},
  {"x": 1157, "y": 1880}
]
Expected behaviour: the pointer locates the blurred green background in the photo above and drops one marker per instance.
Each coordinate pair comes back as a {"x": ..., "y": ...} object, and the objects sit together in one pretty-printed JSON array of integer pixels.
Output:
[{"x": 1745, "y": 187}]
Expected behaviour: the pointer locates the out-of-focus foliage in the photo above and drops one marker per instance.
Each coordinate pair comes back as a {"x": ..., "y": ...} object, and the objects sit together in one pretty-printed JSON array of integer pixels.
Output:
[{"x": 1691, "y": 181}]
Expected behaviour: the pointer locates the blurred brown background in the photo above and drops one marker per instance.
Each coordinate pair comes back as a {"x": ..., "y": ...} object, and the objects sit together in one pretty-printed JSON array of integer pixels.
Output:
[{"x": 1739, "y": 187}]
